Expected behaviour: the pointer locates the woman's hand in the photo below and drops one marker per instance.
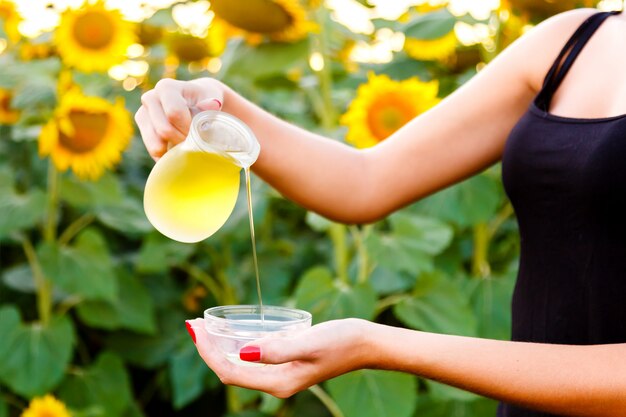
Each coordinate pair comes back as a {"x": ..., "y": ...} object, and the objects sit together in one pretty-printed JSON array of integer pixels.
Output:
[
  {"x": 294, "y": 362},
  {"x": 166, "y": 111}
]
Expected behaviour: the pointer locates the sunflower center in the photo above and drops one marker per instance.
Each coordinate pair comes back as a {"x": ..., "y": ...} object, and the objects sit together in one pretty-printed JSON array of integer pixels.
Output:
[
  {"x": 94, "y": 30},
  {"x": 89, "y": 130},
  {"x": 5, "y": 102},
  {"x": 260, "y": 16},
  {"x": 388, "y": 114}
]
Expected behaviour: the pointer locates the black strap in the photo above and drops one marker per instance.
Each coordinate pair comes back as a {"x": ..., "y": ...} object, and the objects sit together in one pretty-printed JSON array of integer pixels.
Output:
[{"x": 570, "y": 52}]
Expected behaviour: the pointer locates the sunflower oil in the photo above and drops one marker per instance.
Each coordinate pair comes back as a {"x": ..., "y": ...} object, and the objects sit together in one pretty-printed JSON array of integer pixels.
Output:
[
  {"x": 190, "y": 195},
  {"x": 193, "y": 188}
]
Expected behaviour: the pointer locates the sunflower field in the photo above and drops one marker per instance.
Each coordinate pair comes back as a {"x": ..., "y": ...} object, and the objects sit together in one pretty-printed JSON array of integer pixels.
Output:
[{"x": 93, "y": 300}]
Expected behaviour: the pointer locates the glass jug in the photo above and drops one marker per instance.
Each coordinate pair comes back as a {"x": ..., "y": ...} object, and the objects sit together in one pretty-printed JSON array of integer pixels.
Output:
[{"x": 192, "y": 189}]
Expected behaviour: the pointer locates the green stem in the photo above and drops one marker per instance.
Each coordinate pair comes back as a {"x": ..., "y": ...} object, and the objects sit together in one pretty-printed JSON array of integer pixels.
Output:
[
  {"x": 327, "y": 400},
  {"x": 501, "y": 217},
  {"x": 359, "y": 235},
  {"x": 480, "y": 261},
  {"x": 389, "y": 301},
  {"x": 50, "y": 226},
  {"x": 67, "y": 304},
  {"x": 232, "y": 400},
  {"x": 337, "y": 234},
  {"x": 324, "y": 76},
  {"x": 206, "y": 280},
  {"x": 75, "y": 227},
  {"x": 42, "y": 285}
]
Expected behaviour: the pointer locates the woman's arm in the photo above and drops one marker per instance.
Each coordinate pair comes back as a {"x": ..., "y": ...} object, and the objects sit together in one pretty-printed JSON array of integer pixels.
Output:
[
  {"x": 464, "y": 134},
  {"x": 585, "y": 381}
]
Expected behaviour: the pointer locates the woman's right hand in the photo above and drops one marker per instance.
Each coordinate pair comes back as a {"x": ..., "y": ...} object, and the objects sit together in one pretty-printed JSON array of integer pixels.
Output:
[{"x": 166, "y": 111}]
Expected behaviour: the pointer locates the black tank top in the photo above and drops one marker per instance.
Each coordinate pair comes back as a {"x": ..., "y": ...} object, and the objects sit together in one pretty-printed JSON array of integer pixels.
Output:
[{"x": 566, "y": 178}]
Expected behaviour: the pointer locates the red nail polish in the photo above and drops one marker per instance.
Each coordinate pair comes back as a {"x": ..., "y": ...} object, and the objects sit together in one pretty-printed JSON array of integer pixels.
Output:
[
  {"x": 250, "y": 354},
  {"x": 191, "y": 332},
  {"x": 219, "y": 103}
]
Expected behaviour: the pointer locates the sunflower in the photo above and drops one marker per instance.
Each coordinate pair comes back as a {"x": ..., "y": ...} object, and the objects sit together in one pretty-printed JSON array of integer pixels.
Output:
[
  {"x": 93, "y": 38},
  {"x": 8, "y": 115},
  {"x": 86, "y": 134},
  {"x": 541, "y": 9},
  {"x": 11, "y": 20},
  {"x": 148, "y": 35},
  {"x": 431, "y": 49},
  {"x": 46, "y": 406},
  {"x": 383, "y": 106},
  {"x": 279, "y": 20},
  {"x": 190, "y": 48}
]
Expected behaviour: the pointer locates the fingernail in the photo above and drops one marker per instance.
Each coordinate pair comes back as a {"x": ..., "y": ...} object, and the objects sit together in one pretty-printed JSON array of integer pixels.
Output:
[
  {"x": 191, "y": 332},
  {"x": 219, "y": 103},
  {"x": 250, "y": 354}
]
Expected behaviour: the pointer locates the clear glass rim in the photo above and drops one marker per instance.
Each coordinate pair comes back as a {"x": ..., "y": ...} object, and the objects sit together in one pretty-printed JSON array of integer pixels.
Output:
[
  {"x": 292, "y": 315},
  {"x": 230, "y": 120}
]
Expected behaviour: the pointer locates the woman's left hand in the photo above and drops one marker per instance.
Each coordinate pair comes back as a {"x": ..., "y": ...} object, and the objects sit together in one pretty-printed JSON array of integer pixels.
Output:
[{"x": 295, "y": 362}]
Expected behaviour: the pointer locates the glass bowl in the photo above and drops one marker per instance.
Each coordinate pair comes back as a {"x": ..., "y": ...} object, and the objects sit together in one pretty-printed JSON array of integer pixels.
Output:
[{"x": 231, "y": 327}]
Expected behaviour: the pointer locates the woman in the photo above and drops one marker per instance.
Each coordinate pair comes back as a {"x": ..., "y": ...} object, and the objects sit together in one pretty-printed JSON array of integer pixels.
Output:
[{"x": 563, "y": 147}]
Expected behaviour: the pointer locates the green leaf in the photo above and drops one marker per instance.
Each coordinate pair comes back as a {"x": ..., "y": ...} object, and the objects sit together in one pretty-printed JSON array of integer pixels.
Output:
[
  {"x": 187, "y": 375},
  {"x": 4, "y": 409},
  {"x": 159, "y": 253},
  {"x": 328, "y": 299},
  {"x": 151, "y": 351},
  {"x": 84, "y": 269},
  {"x": 133, "y": 410},
  {"x": 387, "y": 281},
  {"x": 429, "y": 406},
  {"x": 133, "y": 309},
  {"x": 106, "y": 191},
  {"x": 18, "y": 211},
  {"x": 9, "y": 328},
  {"x": 439, "y": 306},
  {"x": 317, "y": 222},
  {"x": 34, "y": 357},
  {"x": 103, "y": 388},
  {"x": 276, "y": 58},
  {"x": 412, "y": 243},
  {"x": 34, "y": 94},
  {"x": 369, "y": 393},
  {"x": 446, "y": 392},
  {"x": 127, "y": 217},
  {"x": 491, "y": 301},
  {"x": 19, "y": 278},
  {"x": 162, "y": 18},
  {"x": 431, "y": 25},
  {"x": 472, "y": 201}
]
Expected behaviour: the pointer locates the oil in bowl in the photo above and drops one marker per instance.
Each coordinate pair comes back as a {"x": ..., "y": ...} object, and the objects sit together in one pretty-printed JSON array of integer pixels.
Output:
[{"x": 231, "y": 327}]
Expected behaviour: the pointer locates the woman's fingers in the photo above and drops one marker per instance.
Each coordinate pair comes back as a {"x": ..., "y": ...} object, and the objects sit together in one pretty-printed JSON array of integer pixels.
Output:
[
  {"x": 160, "y": 123},
  {"x": 209, "y": 104},
  {"x": 156, "y": 146},
  {"x": 166, "y": 112},
  {"x": 276, "y": 350},
  {"x": 176, "y": 110}
]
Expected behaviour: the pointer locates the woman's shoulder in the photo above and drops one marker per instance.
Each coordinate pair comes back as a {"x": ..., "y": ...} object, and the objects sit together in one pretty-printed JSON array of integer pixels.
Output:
[{"x": 540, "y": 46}]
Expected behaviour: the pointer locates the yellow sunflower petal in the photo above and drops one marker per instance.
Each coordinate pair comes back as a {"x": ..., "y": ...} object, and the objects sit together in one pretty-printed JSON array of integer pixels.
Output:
[
  {"x": 86, "y": 134},
  {"x": 382, "y": 106},
  {"x": 11, "y": 20},
  {"x": 46, "y": 406},
  {"x": 93, "y": 38},
  {"x": 431, "y": 49}
]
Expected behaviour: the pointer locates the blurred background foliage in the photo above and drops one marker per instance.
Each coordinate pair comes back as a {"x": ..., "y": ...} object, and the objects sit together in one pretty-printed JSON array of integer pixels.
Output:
[{"x": 93, "y": 300}]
